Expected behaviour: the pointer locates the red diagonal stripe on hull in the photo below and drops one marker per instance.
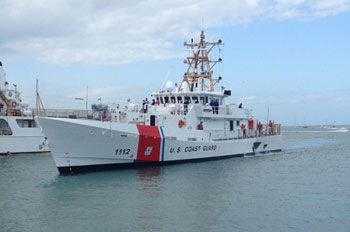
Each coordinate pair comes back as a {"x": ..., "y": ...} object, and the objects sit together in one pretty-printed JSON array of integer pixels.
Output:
[{"x": 149, "y": 143}]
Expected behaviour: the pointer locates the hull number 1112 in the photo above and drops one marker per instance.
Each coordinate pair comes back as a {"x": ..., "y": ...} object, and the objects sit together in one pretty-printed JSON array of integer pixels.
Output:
[{"x": 122, "y": 151}]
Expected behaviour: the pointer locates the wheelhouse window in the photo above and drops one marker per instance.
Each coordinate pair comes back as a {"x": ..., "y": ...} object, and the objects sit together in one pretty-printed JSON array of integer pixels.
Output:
[
  {"x": 188, "y": 99},
  {"x": 179, "y": 99},
  {"x": 218, "y": 100},
  {"x": 195, "y": 99},
  {"x": 26, "y": 123},
  {"x": 173, "y": 100},
  {"x": 5, "y": 128},
  {"x": 166, "y": 99}
]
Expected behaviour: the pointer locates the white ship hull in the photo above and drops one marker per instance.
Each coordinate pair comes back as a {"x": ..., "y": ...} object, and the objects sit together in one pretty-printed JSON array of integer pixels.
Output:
[
  {"x": 78, "y": 145},
  {"x": 22, "y": 144},
  {"x": 17, "y": 139}
]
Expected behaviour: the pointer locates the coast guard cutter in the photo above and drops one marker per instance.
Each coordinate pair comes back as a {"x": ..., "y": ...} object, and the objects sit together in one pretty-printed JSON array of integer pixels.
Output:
[{"x": 188, "y": 121}]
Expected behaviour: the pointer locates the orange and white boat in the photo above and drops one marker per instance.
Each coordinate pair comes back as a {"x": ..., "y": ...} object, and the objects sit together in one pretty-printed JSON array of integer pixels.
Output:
[{"x": 19, "y": 132}]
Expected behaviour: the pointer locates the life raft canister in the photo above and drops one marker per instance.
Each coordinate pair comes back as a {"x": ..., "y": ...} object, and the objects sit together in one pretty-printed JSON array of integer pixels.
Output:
[{"x": 181, "y": 123}]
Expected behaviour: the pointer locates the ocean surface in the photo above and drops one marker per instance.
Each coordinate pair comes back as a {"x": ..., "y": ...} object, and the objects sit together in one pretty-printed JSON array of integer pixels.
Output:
[{"x": 304, "y": 188}]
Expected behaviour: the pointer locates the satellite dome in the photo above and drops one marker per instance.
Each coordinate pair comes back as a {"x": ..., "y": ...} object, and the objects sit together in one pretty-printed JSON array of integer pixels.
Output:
[{"x": 169, "y": 85}]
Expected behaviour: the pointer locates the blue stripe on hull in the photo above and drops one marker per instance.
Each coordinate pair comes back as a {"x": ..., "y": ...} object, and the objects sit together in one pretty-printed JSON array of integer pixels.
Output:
[{"x": 163, "y": 142}]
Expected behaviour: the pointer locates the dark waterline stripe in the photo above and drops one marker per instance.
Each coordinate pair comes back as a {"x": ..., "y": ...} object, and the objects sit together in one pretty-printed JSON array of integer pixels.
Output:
[{"x": 141, "y": 164}]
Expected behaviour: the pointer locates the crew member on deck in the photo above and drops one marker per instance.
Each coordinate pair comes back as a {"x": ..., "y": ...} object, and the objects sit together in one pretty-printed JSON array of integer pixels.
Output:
[
  {"x": 104, "y": 116},
  {"x": 186, "y": 102},
  {"x": 216, "y": 107},
  {"x": 260, "y": 127},
  {"x": 212, "y": 105},
  {"x": 270, "y": 127},
  {"x": 200, "y": 126},
  {"x": 244, "y": 130},
  {"x": 145, "y": 106}
]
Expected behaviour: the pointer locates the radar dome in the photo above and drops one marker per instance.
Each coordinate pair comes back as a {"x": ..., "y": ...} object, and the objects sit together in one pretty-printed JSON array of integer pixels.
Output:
[{"x": 169, "y": 85}]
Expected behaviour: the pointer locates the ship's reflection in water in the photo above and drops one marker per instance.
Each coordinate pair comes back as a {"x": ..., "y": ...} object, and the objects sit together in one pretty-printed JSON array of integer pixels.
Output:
[
  {"x": 150, "y": 179},
  {"x": 150, "y": 174}
]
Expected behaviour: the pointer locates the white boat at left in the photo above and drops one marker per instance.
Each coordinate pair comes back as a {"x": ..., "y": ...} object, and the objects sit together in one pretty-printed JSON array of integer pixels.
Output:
[{"x": 19, "y": 133}]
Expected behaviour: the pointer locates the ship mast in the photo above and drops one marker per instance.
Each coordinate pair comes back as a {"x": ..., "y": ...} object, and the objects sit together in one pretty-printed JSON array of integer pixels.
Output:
[
  {"x": 200, "y": 67},
  {"x": 3, "y": 91},
  {"x": 40, "y": 109}
]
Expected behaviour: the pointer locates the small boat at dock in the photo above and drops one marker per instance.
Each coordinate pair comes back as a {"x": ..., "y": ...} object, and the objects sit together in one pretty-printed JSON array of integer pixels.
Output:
[{"x": 19, "y": 133}]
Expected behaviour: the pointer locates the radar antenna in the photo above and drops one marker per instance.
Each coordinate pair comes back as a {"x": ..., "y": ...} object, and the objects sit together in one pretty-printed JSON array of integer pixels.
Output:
[{"x": 200, "y": 67}]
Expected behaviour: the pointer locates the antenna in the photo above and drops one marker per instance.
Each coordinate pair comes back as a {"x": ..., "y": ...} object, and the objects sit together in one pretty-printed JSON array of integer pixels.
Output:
[
  {"x": 3, "y": 83},
  {"x": 87, "y": 102},
  {"x": 166, "y": 76},
  {"x": 200, "y": 67},
  {"x": 267, "y": 119}
]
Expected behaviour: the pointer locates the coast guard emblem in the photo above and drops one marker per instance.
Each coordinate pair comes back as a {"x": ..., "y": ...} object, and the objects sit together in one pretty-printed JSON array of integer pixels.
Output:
[{"x": 148, "y": 151}]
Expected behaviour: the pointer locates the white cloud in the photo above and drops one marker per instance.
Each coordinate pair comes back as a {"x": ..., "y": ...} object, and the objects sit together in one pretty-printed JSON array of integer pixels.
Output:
[{"x": 115, "y": 32}]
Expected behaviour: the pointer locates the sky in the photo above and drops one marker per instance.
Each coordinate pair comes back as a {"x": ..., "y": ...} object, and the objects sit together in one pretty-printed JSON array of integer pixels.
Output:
[{"x": 291, "y": 57}]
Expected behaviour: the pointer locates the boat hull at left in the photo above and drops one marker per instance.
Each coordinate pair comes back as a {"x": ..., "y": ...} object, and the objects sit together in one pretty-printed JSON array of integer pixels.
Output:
[{"x": 17, "y": 136}]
